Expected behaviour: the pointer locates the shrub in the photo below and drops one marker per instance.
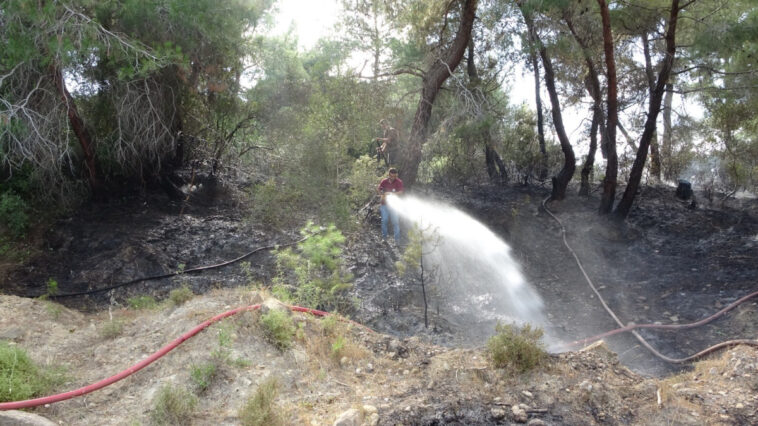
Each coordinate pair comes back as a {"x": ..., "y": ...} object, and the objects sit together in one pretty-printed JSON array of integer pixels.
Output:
[
  {"x": 181, "y": 295},
  {"x": 173, "y": 406},
  {"x": 13, "y": 213},
  {"x": 269, "y": 200},
  {"x": 516, "y": 348},
  {"x": 111, "y": 329},
  {"x": 337, "y": 347},
  {"x": 260, "y": 409},
  {"x": 142, "y": 302},
  {"x": 21, "y": 378},
  {"x": 278, "y": 328},
  {"x": 202, "y": 375}
]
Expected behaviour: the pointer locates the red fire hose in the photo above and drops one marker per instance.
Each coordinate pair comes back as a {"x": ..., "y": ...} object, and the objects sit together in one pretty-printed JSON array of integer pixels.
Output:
[{"x": 15, "y": 405}]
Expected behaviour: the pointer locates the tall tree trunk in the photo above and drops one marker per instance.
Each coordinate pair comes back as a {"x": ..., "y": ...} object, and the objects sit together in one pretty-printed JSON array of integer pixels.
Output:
[
  {"x": 80, "y": 130},
  {"x": 592, "y": 83},
  {"x": 434, "y": 77},
  {"x": 589, "y": 163},
  {"x": 537, "y": 98},
  {"x": 562, "y": 179},
  {"x": 655, "y": 157},
  {"x": 611, "y": 168},
  {"x": 635, "y": 176},
  {"x": 667, "y": 148}
]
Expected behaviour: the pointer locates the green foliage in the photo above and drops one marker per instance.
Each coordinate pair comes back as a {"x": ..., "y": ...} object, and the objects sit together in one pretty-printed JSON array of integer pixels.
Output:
[
  {"x": 202, "y": 375},
  {"x": 261, "y": 408},
  {"x": 112, "y": 329},
  {"x": 142, "y": 302},
  {"x": 337, "y": 347},
  {"x": 317, "y": 266},
  {"x": 14, "y": 214},
  {"x": 173, "y": 406},
  {"x": 278, "y": 328},
  {"x": 269, "y": 200},
  {"x": 517, "y": 348},
  {"x": 181, "y": 295},
  {"x": 21, "y": 378},
  {"x": 52, "y": 287}
]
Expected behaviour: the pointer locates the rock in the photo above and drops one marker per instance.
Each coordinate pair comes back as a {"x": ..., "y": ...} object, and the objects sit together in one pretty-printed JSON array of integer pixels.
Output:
[
  {"x": 11, "y": 333},
  {"x": 351, "y": 417},
  {"x": 535, "y": 422},
  {"x": 275, "y": 305},
  {"x": 20, "y": 418},
  {"x": 527, "y": 394},
  {"x": 519, "y": 414},
  {"x": 369, "y": 368},
  {"x": 344, "y": 361},
  {"x": 370, "y": 409},
  {"x": 497, "y": 413}
]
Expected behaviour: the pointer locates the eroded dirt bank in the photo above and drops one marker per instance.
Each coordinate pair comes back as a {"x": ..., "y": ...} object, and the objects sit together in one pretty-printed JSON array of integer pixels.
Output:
[{"x": 388, "y": 380}]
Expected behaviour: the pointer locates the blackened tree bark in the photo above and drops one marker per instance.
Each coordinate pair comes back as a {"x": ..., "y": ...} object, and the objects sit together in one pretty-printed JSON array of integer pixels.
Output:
[
  {"x": 611, "y": 167},
  {"x": 440, "y": 69},
  {"x": 592, "y": 83},
  {"x": 655, "y": 156},
  {"x": 80, "y": 130},
  {"x": 667, "y": 148},
  {"x": 562, "y": 179},
  {"x": 635, "y": 176},
  {"x": 538, "y": 100}
]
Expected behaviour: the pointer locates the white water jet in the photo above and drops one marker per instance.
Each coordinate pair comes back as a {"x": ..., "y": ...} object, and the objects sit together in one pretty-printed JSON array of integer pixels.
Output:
[{"x": 471, "y": 266}]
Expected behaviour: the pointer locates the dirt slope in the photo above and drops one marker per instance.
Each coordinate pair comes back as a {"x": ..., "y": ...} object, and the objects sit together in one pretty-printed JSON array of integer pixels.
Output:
[{"x": 407, "y": 381}]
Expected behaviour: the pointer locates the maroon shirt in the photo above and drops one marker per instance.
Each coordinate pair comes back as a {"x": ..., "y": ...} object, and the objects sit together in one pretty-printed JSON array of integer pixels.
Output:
[{"x": 388, "y": 186}]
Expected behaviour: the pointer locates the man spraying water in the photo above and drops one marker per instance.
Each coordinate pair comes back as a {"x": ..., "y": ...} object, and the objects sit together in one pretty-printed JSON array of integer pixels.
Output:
[{"x": 390, "y": 186}]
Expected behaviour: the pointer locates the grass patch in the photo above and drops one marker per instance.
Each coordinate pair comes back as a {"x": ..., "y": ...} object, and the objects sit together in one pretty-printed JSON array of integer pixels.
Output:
[
  {"x": 21, "y": 378},
  {"x": 516, "y": 348},
  {"x": 278, "y": 328},
  {"x": 202, "y": 375},
  {"x": 173, "y": 406},
  {"x": 142, "y": 302},
  {"x": 112, "y": 329},
  {"x": 181, "y": 295},
  {"x": 261, "y": 409}
]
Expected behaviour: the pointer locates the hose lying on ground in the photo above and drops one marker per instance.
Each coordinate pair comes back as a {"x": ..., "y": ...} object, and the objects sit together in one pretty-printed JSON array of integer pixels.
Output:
[
  {"x": 15, "y": 405},
  {"x": 172, "y": 274},
  {"x": 632, "y": 327}
]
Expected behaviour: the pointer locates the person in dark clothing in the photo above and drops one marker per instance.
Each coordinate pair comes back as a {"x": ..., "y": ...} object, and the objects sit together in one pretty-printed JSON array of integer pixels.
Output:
[
  {"x": 390, "y": 187},
  {"x": 389, "y": 143}
]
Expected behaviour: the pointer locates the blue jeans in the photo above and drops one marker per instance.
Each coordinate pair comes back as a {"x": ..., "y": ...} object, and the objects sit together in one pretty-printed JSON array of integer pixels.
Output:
[{"x": 388, "y": 213}]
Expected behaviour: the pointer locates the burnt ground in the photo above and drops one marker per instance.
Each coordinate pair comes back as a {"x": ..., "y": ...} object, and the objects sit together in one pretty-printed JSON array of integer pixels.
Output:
[{"x": 668, "y": 263}]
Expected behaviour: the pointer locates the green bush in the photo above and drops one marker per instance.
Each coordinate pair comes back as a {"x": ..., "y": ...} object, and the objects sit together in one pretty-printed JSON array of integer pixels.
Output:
[
  {"x": 142, "y": 302},
  {"x": 202, "y": 375},
  {"x": 111, "y": 329},
  {"x": 14, "y": 213},
  {"x": 516, "y": 348},
  {"x": 181, "y": 295},
  {"x": 173, "y": 406},
  {"x": 278, "y": 328},
  {"x": 337, "y": 347},
  {"x": 260, "y": 409},
  {"x": 269, "y": 200},
  {"x": 317, "y": 266},
  {"x": 21, "y": 378}
]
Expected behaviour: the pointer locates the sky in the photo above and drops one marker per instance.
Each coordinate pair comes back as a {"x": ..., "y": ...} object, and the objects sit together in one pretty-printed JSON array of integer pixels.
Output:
[{"x": 311, "y": 19}]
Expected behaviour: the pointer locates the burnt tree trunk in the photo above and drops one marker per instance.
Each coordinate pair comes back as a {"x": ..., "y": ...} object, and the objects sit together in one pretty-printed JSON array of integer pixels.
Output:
[
  {"x": 538, "y": 99},
  {"x": 440, "y": 69},
  {"x": 635, "y": 176},
  {"x": 80, "y": 130},
  {"x": 562, "y": 179},
  {"x": 655, "y": 156},
  {"x": 667, "y": 147},
  {"x": 592, "y": 83},
  {"x": 611, "y": 168}
]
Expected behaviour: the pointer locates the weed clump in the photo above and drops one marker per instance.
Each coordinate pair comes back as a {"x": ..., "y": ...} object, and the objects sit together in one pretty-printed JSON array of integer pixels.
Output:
[
  {"x": 181, "y": 295},
  {"x": 111, "y": 329},
  {"x": 21, "y": 378},
  {"x": 260, "y": 409},
  {"x": 278, "y": 328},
  {"x": 517, "y": 348},
  {"x": 142, "y": 302},
  {"x": 202, "y": 375},
  {"x": 173, "y": 406}
]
